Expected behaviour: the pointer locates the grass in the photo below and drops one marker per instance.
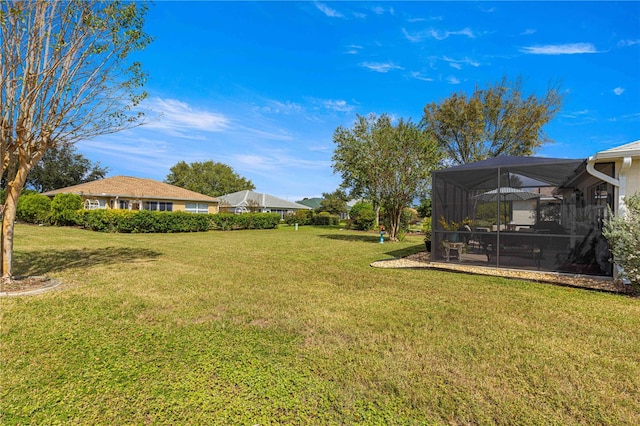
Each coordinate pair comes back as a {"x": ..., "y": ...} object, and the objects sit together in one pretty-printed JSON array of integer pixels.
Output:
[{"x": 283, "y": 326}]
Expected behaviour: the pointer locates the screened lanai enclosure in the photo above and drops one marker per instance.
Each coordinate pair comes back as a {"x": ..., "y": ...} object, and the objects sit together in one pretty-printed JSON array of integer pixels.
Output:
[{"x": 534, "y": 213}]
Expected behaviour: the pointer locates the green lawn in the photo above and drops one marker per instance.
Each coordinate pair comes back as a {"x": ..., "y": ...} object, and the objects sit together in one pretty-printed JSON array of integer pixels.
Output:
[{"x": 284, "y": 326}]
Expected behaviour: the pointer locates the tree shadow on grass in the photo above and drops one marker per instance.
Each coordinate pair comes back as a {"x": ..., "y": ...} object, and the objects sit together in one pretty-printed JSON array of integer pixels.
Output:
[
  {"x": 403, "y": 252},
  {"x": 47, "y": 261},
  {"x": 367, "y": 238}
]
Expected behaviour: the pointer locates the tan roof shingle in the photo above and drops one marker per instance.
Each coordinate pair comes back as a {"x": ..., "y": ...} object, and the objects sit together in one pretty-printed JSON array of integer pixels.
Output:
[{"x": 132, "y": 187}]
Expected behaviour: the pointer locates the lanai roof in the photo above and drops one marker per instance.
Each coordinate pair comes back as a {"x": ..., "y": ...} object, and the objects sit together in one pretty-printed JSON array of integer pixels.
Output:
[
  {"x": 482, "y": 174},
  {"x": 133, "y": 187}
]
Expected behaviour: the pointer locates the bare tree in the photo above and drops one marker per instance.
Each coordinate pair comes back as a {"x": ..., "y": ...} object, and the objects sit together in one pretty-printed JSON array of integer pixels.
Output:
[{"x": 64, "y": 77}]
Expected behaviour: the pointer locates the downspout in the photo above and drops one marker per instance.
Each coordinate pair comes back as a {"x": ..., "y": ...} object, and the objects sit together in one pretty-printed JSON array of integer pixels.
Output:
[{"x": 620, "y": 184}]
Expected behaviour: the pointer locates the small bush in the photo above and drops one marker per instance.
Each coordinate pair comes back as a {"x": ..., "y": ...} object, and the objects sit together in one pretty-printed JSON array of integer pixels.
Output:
[
  {"x": 65, "y": 210},
  {"x": 623, "y": 235},
  {"x": 363, "y": 217},
  {"x": 301, "y": 217},
  {"x": 33, "y": 208},
  {"x": 326, "y": 219}
]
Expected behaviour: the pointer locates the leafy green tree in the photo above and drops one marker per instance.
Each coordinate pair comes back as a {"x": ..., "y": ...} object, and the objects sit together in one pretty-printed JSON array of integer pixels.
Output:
[
  {"x": 334, "y": 202},
  {"x": 356, "y": 156},
  {"x": 498, "y": 120},
  {"x": 208, "y": 177},
  {"x": 65, "y": 76},
  {"x": 61, "y": 167},
  {"x": 424, "y": 208},
  {"x": 388, "y": 164}
]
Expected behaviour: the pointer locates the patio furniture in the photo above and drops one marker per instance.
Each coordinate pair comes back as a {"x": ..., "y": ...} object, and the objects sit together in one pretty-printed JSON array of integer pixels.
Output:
[{"x": 452, "y": 248}]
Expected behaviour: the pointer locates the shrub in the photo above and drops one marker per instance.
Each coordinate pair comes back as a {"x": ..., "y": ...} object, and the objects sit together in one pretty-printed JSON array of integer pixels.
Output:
[
  {"x": 65, "y": 210},
  {"x": 623, "y": 235},
  {"x": 426, "y": 228},
  {"x": 229, "y": 221},
  {"x": 301, "y": 217},
  {"x": 326, "y": 219},
  {"x": 144, "y": 221},
  {"x": 362, "y": 215},
  {"x": 33, "y": 208}
]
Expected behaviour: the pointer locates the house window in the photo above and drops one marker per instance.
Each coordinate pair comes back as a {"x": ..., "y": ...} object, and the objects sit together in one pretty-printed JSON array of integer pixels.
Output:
[
  {"x": 158, "y": 206},
  {"x": 124, "y": 204},
  {"x": 197, "y": 208},
  {"x": 94, "y": 204}
]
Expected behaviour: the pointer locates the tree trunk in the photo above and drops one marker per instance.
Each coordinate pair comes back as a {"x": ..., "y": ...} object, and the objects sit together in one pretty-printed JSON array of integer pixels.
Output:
[
  {"x": 394, "y": 223},
  {"x": 376, "y": 207},
  {"x": 14, "y": 188}
]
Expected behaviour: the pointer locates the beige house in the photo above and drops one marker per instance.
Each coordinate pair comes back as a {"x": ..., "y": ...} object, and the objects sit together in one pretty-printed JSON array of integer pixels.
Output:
[
  {"x": 625, "y": 178},
  {"x": 131, "y": 193}
]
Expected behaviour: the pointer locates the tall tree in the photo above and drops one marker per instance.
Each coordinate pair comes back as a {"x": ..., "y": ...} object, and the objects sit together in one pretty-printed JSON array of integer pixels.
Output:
[
  {"x": 61, "y": 167},
  {"x": 391, "y": 162},
  {"x": 207, "y": 178},
  {"x": 64, "y": 76},
  {"x": 498, "y": 120},
  {"x": 355, "y": 158},
  {"x": 334, "y": 202}
]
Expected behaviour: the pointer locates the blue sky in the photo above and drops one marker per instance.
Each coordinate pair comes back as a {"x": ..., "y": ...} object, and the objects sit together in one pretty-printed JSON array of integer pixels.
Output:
[{"x": 261, "y": 86}]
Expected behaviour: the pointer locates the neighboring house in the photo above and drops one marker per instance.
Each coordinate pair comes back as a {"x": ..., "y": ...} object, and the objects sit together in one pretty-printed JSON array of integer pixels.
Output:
[
  {"x": 532, "y": 212},
  {"x": 314, "y": 203},
  {"x": 249, "y": 201},
  {"x": 131, "y": 193}
]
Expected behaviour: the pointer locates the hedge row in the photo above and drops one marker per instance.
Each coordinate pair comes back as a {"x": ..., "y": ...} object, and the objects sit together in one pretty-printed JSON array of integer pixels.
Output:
[
  {"x": 144, "y": 221},
  {"x": 230, "y": 221},
  {"x": 309, "y": 217}
]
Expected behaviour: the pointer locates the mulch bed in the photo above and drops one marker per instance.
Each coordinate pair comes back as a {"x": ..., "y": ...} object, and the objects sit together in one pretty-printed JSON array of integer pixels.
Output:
[
  {"x": 423, "y": 260},
  {"x": 26, "y": 285}
]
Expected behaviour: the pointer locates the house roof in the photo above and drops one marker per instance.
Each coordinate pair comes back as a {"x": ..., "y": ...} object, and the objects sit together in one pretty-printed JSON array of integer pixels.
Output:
[
  {"x": 628, "y": 150},
  {"x": 133, "y": 187},
  {"x": 314, "y": 203},
  {"x": 244, "y": 198}
]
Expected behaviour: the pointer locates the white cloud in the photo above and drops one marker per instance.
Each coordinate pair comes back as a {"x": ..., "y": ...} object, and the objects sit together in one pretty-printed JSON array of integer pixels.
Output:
[
  {"x": 418, "y": 76},
  {"x": 278, "y": 107},
  {"x": 458, "y": 63},
  {"x": 618, "y": 91},
  {"x": 577, "y": 114},
  {"x": 332, "y": 13},
  {"x": 441, "y": 35},
  {"x": 560, "y": 49},
  {"x": 437, "y": 34},
  {"x": 528, "y": 31},
  {"x": 413, "y": 38},
  {"x": 627, "y": 43},
  {"x": 453, "y": 80},
  {"x": 353, "y": 49},
  {"x": 337, "y": 105},
  {"x": 178, "y": 116},
  {"x": 381, "y": 67}
]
